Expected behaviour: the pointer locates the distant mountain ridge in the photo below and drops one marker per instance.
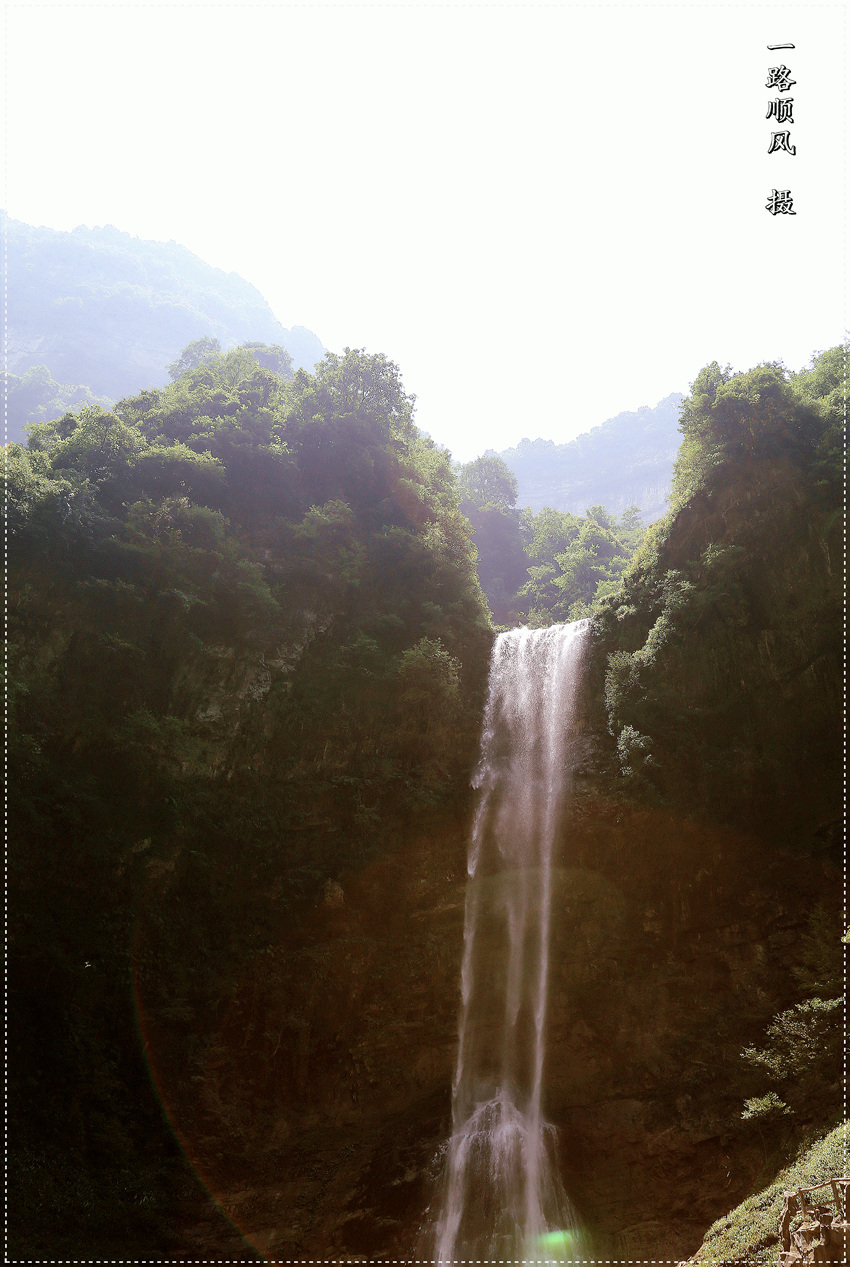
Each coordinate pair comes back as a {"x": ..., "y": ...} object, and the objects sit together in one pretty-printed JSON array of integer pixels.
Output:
[
  {"x": 102, "y": 308},
  {"x": 628, "y": 460}
]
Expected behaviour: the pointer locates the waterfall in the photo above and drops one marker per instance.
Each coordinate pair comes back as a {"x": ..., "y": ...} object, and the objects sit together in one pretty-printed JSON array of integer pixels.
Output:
[{"x": 501, "y": 1196}]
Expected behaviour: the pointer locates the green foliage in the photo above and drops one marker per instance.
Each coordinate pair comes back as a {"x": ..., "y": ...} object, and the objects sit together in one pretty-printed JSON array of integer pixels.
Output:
[
  {"x": 824, "y": 385},
  {"x": 645, "y": 561},
  {"x": 549, "y": 533},
  {"x": 427, "y": 711},
  {"x": 366, "y": 386},
  {"x": 47, "y": 511},
  {"x": 99, "y": 445},
  {"x": 488, "y": 481},
  {"x": 764, "y": 1106},
  {"x": 698, "y": 452},
  {"x": 327, "y": 525},
  {"x": 231, "y": 412},
  {"x": 488, "y": 490},
  {"x": 236, "y": 667},
  {"x": 633, "y": 750},
  {"x": 749, "y": 1233},
  {"x": 762, "y": 413},
  {"x": 632, "y": 528},
  {"x": 547, "y": 567},
  {"x": 36, "y": 397},
  {"x": 800, "y": 1040},
  {"x": 25, "y": 484},
  {"x": 630, "y": 677},
  {"x": 502, "y": 561},
  {"x": 591, "y": 565},
  {"x": 348, "y": 426},
  {"x": 164, "y": 470},
  {"x": 804, "y": 1047},
  {"x": 570, "y": 582},
  {"x": 272, "y": 357},
  {"x": 756, "y": 492},
  {"x": 820, "y": 967},
  {"x": 192, "y": 355}
]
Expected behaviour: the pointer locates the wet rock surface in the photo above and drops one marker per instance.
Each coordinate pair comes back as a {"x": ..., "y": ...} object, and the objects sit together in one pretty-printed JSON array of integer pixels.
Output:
[
  {"x": 319, "y": 1110},
  {"x": 318, "y": 1117},
  {"x": 311, "y": 1089}
]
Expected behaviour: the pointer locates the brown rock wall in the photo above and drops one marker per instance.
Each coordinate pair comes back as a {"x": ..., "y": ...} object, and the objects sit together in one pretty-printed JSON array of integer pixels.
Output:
[{"x": 325, "y": 1092}]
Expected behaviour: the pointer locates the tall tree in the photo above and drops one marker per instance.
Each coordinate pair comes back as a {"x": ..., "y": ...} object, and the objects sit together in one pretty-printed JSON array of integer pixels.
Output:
[
  {"x": 488, "y": 481},
  {"x": 192, "y": 355},
  {"x": 488, "y": 491}
]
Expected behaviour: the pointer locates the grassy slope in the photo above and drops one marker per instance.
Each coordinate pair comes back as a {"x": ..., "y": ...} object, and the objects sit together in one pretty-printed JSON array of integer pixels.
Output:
[{"x": 749, "y": 1232}]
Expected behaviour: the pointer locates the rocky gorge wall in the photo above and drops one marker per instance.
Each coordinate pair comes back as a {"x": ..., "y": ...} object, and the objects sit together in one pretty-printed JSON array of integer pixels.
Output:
[
  {"x": 680, "y": 907},
  {"x": 324, "y": 1092},
  {"x": 720, "y": 664},
  {"x": 324, "y": 1096},
  {"x": 304, "y": 1047}
]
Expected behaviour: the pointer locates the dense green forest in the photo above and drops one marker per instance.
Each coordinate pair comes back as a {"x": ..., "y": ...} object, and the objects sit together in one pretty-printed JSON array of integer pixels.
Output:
[
  {"x": 247, "y": 637},
  {"x": 248, "y": 644},
  {"x": 97, "y": 314},
  {"x": 546, "y": 567},
  {"x": 760, "y": 467}
]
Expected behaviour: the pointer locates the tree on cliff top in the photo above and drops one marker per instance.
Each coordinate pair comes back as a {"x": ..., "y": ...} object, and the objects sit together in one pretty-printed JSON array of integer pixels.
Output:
[
  {"x": 488, "y": 481},
  {"x": 743, "y": 435},
  {"x": 762, "y": 413},
  {"x": 192, "y": 355},
  {"x": 488, "y": 490}
]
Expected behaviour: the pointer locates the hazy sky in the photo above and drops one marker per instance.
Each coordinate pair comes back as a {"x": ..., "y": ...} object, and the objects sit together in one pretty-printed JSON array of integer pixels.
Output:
[{"x": 545, "y": 214}]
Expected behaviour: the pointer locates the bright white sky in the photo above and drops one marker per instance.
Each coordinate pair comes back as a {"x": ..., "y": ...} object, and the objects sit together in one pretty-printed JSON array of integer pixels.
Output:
[{"x": 544, "y": 214}]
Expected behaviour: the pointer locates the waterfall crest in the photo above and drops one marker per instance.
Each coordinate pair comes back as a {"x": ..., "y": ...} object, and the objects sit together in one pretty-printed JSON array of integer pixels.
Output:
[{"x": 501, "y": 1194}]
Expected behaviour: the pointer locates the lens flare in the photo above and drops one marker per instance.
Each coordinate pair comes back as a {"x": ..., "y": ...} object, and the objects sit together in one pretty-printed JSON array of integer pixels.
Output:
[{"x": 564, "y": 1245}]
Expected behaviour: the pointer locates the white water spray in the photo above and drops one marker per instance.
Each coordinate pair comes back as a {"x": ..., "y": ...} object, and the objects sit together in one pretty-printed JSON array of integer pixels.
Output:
[{"x": 501, "y": 1191}]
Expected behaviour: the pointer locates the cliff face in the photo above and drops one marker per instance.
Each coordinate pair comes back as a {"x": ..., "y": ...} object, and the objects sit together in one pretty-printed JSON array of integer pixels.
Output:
[
  {"x": 722, "y": 659},
  {"x": 216, "y": 710},
  {"x": 680, "y": 906},
  {"x": 627, "y": 461},
  {"x": 318, "y": 1108},
  {"x": 317, "y": 1103},
  {"x": 293, "y": 937},
  {"x": 674, "y": 949},
  {"x": 646, "y": 485}
]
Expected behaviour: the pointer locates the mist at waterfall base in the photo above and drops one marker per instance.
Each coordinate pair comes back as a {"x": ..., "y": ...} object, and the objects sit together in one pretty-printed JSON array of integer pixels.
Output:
[{"x": 500, "y": 1194}]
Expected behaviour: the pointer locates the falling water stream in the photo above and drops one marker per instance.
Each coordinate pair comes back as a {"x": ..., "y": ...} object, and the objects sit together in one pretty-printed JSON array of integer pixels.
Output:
[{"x": 501, "y": 1195}]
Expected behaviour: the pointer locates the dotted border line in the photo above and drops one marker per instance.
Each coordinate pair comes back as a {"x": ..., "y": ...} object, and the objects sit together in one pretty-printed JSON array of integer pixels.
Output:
[
  {"x": 415, "y": 4},
  {"x": 4, "y": 230},
  {"x": 844, "y": 541}
]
